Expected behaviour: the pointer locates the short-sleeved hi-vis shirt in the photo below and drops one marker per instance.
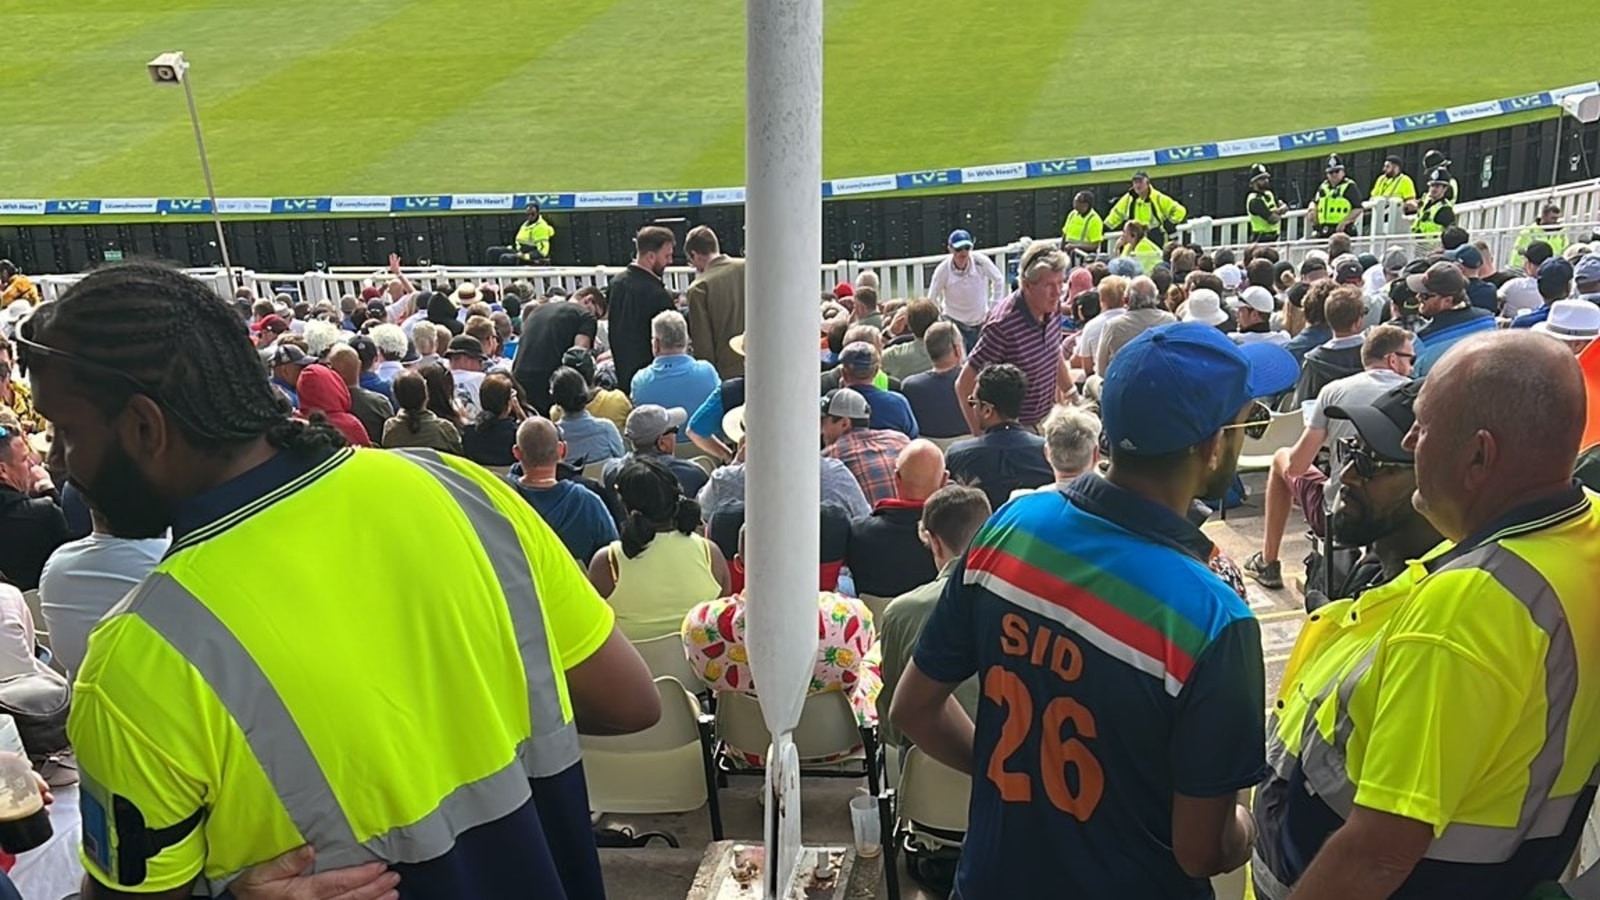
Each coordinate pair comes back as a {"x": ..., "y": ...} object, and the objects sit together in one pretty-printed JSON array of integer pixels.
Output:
[
  {"x": 282, "y": 679},
  {"x": 1465, "y": 694}
]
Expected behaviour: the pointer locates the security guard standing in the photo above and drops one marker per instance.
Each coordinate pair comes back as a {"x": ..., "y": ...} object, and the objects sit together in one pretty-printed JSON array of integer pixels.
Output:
[
  {"x": 1435, "y": 159},
  {"x": 1084, "y": 230},
  {"x": 1394, "y": 183},
  {"x": 1336, "y": 207},
  {"x": 531, "y": 246},
  {"x": 225, "y": 715},
  {"x": 1547, "y": 229},
  {"x": 1160, "y": 214},
  {"x": 1263, "y": 207},
  {"x": 1436, "y": 212}
]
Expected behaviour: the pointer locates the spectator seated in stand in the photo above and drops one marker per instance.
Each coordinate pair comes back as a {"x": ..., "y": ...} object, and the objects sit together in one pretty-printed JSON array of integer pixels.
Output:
[
  {"x": 886, "y": 557},
  {"x": 32, "y": 525},
  {"x": 324, "y": 398},
  {"x": 1071, "y": 445},
  {"x": 932, "y": 394},
  {"x": 85, "y": 578},
  {"x": 674, "y": 379},
  {"x": 659, "y": 567},
  {"x": 415, "y": 425},
  {"x": 869, "y": 453},
  {"x": 948, "y": 521},
  {"x": 652, "y": 433},
  {"x": 833, "y": 378},
  {"x": 859, "y": 370},
  {"x": 726, "y": 487},
  {"x": 490, "y": 438},
  {"x": 903, "y": 360},
  {"x": 1143, "y": 313},
  {"x": 588, "y": 439},
  {"x": 705, "y": 425},
  {"x": 714, "y": 641},
  {"x": 369, "y": 407},
  {"x": 724, "y": 525},
  {"x": 604, "y": 403},
  {"x": 1006, "y": 456},
  {"x": 1442, "y": 295},
  {"x": 576, "y": 514},
  {"x": 1314, "y": 331},
  {"x": 1340, "y": 357}
]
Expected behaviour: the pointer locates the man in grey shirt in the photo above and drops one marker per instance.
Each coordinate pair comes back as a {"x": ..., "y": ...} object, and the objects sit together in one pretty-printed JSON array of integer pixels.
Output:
[
  {"x": 726, "y": 486},
  {"x": 83, "y": 579}
]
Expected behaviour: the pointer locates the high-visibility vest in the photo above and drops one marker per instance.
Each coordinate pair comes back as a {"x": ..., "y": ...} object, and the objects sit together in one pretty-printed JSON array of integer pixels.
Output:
[
  {"x": 1146, "y": 252},
  {"x": 1427, "y": 216},
  {"x": 1400, "y": 187},
  {"x": 1087, "y": 228},
  {"x": 1556, "y": 240},
  {"x": 1332, "y": 205},
  {"x": 1259, "y": 225},
  {"x": 536, "y": 234},
  {"x": 373, "y": 717},
  {"x": 1156, "y": 211}
]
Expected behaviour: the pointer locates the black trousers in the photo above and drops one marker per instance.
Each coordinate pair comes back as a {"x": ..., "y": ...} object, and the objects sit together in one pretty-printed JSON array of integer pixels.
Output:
[{"x": 511, "y": 256}]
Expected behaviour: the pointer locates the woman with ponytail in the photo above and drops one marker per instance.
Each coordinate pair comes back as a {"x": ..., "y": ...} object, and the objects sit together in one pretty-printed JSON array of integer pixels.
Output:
[{"x": 659, "y": 568}]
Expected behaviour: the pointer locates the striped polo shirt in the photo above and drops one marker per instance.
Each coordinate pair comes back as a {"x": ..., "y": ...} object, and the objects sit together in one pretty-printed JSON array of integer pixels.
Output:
[
  {"x": 1116, "y": 670},
  {"x": 1015, "y": 335}
]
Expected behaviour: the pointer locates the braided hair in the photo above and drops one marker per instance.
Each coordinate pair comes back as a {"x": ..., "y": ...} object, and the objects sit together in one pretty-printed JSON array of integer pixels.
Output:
[
  {"x": 655, "y": 502},
  {"x": 172, "y": 334}
]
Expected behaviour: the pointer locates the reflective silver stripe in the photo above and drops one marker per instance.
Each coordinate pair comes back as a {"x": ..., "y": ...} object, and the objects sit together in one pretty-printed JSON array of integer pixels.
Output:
[
  {"x": 244, "y": 690},
  {"x": 485, "y": 800},
  {"x": 554, "y": 746},
  {"x": 1267, "y": 885}
]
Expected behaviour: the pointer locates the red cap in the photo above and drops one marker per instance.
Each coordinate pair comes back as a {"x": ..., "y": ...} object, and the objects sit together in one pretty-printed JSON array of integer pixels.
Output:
[
  {"x": 844, "y": 289},
  {"x": 271, "y": 323},
  {"x": 371, "y": 292}
]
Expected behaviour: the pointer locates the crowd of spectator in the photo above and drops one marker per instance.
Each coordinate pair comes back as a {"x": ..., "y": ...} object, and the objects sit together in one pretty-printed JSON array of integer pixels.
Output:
[{"x": 1012, "y": 479}]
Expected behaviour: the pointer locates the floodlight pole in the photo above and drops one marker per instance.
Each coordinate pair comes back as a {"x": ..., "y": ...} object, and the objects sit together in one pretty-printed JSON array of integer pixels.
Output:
[{"x": 211, "y": 188}]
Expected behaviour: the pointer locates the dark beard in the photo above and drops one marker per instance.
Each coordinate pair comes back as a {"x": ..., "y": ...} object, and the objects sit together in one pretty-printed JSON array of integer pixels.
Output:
[
  {"x": 131, "y": 505},
  {"x": 1359, "y": 531}
]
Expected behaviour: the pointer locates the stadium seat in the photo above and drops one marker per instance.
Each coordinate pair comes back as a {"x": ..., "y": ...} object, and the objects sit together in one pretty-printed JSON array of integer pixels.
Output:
[
  {"x": 667, "y": 768},
  {"x": 1281, "y": 434},
  {"x": 877, "y": 605},
  {"x": 665, "y": 658}
]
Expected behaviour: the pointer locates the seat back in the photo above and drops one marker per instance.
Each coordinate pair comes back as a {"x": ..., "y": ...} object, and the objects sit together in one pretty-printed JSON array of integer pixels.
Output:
[
  {"x": 595, "y": 470},
  {"x": 932, "y": 795},
  {"x": 877, "y": 604},
  {"x": 827, "y": 729},
  {"x": 658, "y": 770},
  {"x": 666, "y": 659},
  {"x": 41, "y": 628},
  {"x": 1282, "y": 432},
  {"x": 705, "y": 462},
  {"x": 685, "y": 448},
  {"x": 944, "y": 443}
]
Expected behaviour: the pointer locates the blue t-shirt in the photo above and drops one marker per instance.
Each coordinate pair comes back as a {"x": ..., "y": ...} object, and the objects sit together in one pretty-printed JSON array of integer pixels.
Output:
[
  {"x": 678, "y": 381},
  {"x": 574, "y": 513},
  {"x": 933, "y": 400},
  {"x": 377, "y": 384},
  {"x": 1116, "y": 671},
  {"x": 707, "y": 420},
  {"x": 889, "y": 410},
  {"x": 589, "y": 439}
]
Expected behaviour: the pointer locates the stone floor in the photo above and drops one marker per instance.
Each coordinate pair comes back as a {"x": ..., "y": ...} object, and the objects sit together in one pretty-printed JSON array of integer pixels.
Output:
[{"x": 658, "y": 873}]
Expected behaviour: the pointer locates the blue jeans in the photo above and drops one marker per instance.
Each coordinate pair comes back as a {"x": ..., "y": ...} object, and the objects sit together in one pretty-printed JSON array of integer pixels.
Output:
[{"x": 969, "y": 333}]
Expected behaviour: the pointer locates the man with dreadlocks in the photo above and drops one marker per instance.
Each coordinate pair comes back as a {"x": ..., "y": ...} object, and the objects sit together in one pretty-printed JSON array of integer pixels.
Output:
[{"x": 223, "y": 719}]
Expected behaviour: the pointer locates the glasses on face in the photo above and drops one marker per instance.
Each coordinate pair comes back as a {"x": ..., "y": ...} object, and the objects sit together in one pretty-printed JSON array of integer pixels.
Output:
[
  {"x": 28, "y": 349},
  {"x": 1365, "y": 463},
  {"x": 975, "y": 401},
  {"x": 1405, "y": 356},
  {"x": 1256, "y": 422}
]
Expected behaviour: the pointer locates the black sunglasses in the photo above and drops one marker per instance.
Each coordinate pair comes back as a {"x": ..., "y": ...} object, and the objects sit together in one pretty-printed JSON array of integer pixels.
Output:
[
  {"x": 1364, "y": 461},
  {"x": 1255, "y": 424},
  {"x": 28, "y": 348}
]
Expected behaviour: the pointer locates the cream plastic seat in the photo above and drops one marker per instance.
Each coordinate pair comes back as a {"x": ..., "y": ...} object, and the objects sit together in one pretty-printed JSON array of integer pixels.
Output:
[{"x": 664, "y": 769}]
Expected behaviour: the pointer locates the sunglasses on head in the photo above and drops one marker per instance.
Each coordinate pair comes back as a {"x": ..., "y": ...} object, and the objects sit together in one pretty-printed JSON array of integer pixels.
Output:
[
  {"x": 1255, "y": 424},
  {"x": 1364, "y": 461},
  {"x": 29, "y": 350}
]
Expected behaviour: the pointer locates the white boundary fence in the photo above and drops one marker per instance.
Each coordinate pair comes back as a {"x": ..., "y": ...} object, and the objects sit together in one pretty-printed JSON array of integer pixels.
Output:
[{"x": 1497, "y": 220}]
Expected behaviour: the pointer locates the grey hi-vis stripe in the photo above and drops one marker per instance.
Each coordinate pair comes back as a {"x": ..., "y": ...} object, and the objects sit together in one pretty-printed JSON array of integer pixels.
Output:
[
  {"x": 1542, "y": 815},
  {"x": 286, "y": 756}
]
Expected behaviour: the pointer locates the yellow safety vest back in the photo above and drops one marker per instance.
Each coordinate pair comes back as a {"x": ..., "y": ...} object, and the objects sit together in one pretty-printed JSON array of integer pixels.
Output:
[
  {"x": 1258, "y": 225},
  {"x": 377, "y": 727},
  {"x": 1427, "y": 216},
  {"x": 1332, "y": 205}
]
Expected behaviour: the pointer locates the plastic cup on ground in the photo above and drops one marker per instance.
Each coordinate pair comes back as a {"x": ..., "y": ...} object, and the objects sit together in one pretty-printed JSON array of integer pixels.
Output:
[{"x": 864, "y": 819}]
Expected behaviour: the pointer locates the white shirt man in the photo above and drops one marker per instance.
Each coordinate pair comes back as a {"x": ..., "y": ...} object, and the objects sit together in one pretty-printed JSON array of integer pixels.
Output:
[
  {"x": 1255, "y": 319},
  {"x": 83, "y": 579},
  {"x": 966, "y": 284},
  {"x": 466, "y": 370}
]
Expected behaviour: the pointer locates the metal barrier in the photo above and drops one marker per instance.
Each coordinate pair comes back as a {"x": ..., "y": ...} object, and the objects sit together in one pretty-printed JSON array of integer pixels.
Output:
[{"x": 1498, "y": 221}]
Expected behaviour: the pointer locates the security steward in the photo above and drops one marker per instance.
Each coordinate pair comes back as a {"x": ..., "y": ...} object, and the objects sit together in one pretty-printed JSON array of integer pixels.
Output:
[
  {"x": 1395, "y": 184},
  {"x": 1437, "y": 735},
  {"x": 1336, "y": 207},
  {"x": 1264, "y": 208},
  {"x": 1084, "y": 231},
  {"x": 531, "y": 246},
  {"x": 1435, "y": 159},
  {"x": 225, "y": 714},
  {"x": 1436, "y": 212},
  {"x": 1547, "y": 229},
  {"x": 1161, "y": 215}
]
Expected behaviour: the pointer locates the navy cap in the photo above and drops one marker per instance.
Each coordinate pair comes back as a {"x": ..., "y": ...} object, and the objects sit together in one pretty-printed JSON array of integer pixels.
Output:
[
  {"x": 1467, "y": 255},
  {"x": 1141, "y": 175},
  {"x": 961, "y": 239},
  {"x": 1176, "y": 385}
]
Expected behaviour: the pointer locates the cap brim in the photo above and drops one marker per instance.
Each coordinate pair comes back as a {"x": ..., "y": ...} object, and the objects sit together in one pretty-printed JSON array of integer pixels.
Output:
[
  {"x": 1215, "y": 318},
  {"x": 1376, "y": 429},
  {"x": 1272, "y": 369},
  {"x": 1415, "y": 283},
  {"x": 737, "y": 344},
  {"x": 961, "y": 245},
  {"x": 733, "y": 424},
  {"x": 677, "y": 417}
]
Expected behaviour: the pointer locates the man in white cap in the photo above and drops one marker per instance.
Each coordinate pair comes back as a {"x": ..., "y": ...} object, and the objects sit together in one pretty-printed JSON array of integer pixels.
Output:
[
  {"x": 1577, "y": 322},
  {"x": 1255, "y": 318}
]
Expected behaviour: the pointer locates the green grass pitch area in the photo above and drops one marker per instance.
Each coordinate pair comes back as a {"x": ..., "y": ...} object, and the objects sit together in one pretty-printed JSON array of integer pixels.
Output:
[{"x": 312, "y": 97}]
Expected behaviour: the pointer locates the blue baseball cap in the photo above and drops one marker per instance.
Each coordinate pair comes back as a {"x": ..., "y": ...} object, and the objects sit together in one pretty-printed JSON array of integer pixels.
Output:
[
  {"x": 1176, "y": 385},
  {"x": 961, "y": 239}
]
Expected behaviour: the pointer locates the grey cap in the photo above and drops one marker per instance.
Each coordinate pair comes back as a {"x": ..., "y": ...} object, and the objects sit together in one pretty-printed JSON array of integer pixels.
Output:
[
  {"x": 646, "y": 424},
  {"x": 1394, "y": 259},
  {"x": 845, "y": 403}
]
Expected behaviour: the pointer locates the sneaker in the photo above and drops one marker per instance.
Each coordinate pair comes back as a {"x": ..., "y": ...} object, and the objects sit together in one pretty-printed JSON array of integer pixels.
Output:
[{"x": 1268, "y": 574}]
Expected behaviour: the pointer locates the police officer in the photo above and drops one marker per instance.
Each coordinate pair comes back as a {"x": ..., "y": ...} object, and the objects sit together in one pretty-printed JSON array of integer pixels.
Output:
[
  {"x": 1435, "y": 159},
  {"x": 1084, "y": 230},
  {"x": 225, "y": 718},
  {"x": 1159, "y": 213},
  {"x": 1264, "y": 208},
  {"x": 531, "y": 246},
  {"x": 1336, "y": 207},
  {"x": 1436, "y": 212},
  {"x": 1395, "y": 184}
]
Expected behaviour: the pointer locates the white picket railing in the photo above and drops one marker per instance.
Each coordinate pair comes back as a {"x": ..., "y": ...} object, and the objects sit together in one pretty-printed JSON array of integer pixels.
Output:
[{"x": 1497, "y": 220}]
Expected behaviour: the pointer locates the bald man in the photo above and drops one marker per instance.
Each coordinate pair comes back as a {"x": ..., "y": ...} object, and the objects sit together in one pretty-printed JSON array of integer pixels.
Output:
[
  {"x": 1465, "y": 693},
  {"x": 576, "y": 514},
  {"x": 371, "y": 407},
  {"x": 885, "y": 555}
]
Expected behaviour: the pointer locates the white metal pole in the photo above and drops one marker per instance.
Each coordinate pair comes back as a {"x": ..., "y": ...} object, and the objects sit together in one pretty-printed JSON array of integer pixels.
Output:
[
  {"x": 1555, "y": 161},
  {"x": 783, "y": 215},
  {"x": 211, "y": 188}
]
